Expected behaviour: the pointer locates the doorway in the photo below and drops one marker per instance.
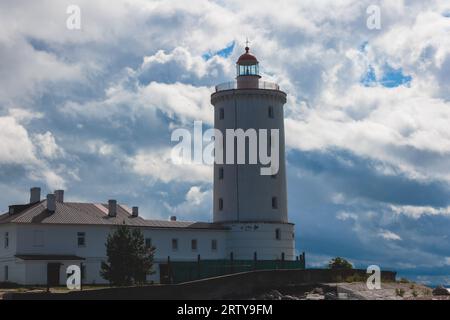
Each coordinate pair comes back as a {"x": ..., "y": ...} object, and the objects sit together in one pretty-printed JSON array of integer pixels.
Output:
[{"x": 53, "y": 274}]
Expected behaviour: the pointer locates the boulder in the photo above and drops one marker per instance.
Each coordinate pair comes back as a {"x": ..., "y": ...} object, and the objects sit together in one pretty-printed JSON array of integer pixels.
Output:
[{"x": 440, "y": 291}]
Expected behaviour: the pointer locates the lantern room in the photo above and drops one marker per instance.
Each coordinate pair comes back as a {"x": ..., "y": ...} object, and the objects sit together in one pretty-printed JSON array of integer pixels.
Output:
[
  {"x": 247, "y": 64},
  {"x": 247, "y": 70}
]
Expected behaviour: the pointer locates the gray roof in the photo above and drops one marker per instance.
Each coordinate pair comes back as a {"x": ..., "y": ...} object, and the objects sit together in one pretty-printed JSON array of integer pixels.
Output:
[{"x": 93, "y": 214}]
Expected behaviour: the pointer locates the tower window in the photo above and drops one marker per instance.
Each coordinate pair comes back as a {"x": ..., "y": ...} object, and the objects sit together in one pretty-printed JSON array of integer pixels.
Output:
[
  {"x": 214, "y": 245},
  {"x": 81, "y": 239},
  {"x": 194, "y": 244},
  {"x": 6, "y": 240},
  {"x": 274, "y": 203},
  {"x": 174, "y": 244},
  {"x": 220, "y": 173},
  {"x": 220, "y": 204},
  {"x": 277, "y": 234},
  {"x": 269, "y": 149},
  {"x": 271, "y": 115},
  {"x": 6, "y": 275},
  {"x": 221, "y": 114},
  {"x": 148, "y": 243}
]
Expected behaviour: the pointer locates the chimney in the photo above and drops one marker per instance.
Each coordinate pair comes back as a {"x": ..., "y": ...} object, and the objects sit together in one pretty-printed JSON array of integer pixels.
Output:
[
  {"x": 135, "y": 212},
  {"x": 112, "y": 208},
  {"x": 173, "y": 218},
  {"x": 51, "y": 203},
  {"x": 35, "y": 195},
  {"x": 59, "y": 195}
]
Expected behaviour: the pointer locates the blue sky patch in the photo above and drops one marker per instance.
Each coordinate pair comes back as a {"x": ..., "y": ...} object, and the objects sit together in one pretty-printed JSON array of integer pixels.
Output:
[
  {"x": 390, "y": 78},
  {"x": 394, "y": 77},
  {"x": 225, "y": 52}
]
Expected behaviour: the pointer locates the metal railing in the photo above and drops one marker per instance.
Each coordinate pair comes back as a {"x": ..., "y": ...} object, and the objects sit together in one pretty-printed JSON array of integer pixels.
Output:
[{"x": 261, "y": 85}]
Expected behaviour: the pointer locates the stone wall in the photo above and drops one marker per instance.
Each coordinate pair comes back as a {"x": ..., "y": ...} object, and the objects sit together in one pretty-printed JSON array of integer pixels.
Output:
[{"x": 232, "y": 286}]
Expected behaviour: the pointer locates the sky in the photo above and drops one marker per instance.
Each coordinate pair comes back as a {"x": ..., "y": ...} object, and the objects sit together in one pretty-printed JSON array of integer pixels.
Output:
[{"x": 91, "y": 110}]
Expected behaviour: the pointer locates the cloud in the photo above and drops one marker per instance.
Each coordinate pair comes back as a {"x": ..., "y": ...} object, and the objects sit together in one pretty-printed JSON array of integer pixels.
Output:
[
  {"x": 17, "y": 149},
  {"x": 196, "y": 203},
  {"x": 346, "y": 216},
  {"x": 388, "y": 235},
  {"x": 416, "y": 212},
  {"x": 15, "y": 144},
  {"x": 159, "y": 165},
  {"x": 47, "y": 145}
]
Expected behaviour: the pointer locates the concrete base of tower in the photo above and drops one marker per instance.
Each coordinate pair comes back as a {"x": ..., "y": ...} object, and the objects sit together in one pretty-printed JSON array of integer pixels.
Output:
[{"x": 263, "y": 240}]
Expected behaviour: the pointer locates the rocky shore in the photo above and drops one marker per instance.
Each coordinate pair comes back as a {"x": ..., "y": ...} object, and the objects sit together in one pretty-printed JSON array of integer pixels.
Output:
[{"x": 356, "y": 291}]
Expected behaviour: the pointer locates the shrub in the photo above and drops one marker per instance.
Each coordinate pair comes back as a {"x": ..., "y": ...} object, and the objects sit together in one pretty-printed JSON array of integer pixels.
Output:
[
  {"x": 400, "y": 292},
  {"x": 339, "y": 263}
]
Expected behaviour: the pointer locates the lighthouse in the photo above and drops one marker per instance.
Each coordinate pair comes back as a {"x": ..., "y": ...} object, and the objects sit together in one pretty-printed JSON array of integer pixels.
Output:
[{"x": 251, "y": 204}]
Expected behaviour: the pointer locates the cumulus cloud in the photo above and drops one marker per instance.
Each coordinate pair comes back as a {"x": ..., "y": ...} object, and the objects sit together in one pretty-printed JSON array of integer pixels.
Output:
[
  {"x": 47, "y": 145},
  {"x": 159, "y": 165},
  {"x": 18, "y": 149},
  {"x": 196, "y": 203},
  {"x": 15, "y": 144}
]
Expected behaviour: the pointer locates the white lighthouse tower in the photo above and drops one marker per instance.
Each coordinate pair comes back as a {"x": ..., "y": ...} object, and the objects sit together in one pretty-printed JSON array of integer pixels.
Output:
[{"x": 252, "y": 205}]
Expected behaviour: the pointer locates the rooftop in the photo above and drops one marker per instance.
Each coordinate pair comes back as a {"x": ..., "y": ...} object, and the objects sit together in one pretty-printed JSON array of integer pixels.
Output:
[{"x": 72, "y": 213}]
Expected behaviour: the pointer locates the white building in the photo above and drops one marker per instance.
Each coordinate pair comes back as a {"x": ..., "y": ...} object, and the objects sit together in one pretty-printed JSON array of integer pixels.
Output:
[{"x": 40, "y": 239}]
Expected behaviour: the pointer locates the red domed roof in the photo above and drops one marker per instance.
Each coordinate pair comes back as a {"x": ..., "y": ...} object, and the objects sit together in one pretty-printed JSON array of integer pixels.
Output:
[{"x": 247, "y": 58}]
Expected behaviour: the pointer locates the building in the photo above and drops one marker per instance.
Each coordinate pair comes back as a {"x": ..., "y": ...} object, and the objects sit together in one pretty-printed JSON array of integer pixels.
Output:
[{"x": 250, "y": 228}]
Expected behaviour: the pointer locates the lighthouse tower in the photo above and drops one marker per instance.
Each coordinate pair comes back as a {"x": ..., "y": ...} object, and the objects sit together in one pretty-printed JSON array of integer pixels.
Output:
[{"x": 252, "y": 205}]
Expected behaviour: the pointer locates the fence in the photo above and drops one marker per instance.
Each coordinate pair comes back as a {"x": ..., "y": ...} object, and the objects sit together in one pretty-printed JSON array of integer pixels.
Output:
[{"x": 261, "y": 85}]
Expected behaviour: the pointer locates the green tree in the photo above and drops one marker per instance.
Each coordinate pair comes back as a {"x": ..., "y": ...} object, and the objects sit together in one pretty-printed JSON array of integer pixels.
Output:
[
  {"x": 339, "y": 263},
  {"x": 129, "y": 260}
]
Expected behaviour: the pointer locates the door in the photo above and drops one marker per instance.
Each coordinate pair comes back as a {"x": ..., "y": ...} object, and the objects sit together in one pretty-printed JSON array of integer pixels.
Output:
[
  {"x": 164, "y": 273},
  {"x": 53, "y": 274}
]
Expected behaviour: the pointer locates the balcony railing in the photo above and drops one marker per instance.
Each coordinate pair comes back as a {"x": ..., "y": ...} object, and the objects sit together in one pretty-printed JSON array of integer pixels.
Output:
[{"x": 260, "y": 85}]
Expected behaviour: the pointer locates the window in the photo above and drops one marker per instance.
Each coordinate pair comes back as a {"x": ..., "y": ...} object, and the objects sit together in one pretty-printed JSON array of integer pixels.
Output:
[
  {"x": 38, "y": 238},
  {"x": 278, "y": 234},
  {"x": 220, "y": 204},
  {"x": 271, "y": 115},
  {"x": 214, "y": 245},
  {"x": 81, "y": 239},
  {"x": 6, "y": 240},
  {"x": 194, "y": 244},
  {"x": 221, "y": 114},
  {"x": 274, "y": 203},
  {"x": 269, "y": 148},
  {"x": 6, "y": 271},
  {"x": 174, "y": 244},
  {"x": 148, "y": 243},
  {"x": 220, "y": 173}
]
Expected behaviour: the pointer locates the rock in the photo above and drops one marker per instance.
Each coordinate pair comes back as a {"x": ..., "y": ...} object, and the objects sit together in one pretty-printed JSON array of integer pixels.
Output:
[
  {"x": 314, "y": 296},
  {"x": 440, "y": 291},
  {"x": 330, "y": 296},
  {"x": 317, "y": 291},
  {"x": 343, "y": 296}
]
